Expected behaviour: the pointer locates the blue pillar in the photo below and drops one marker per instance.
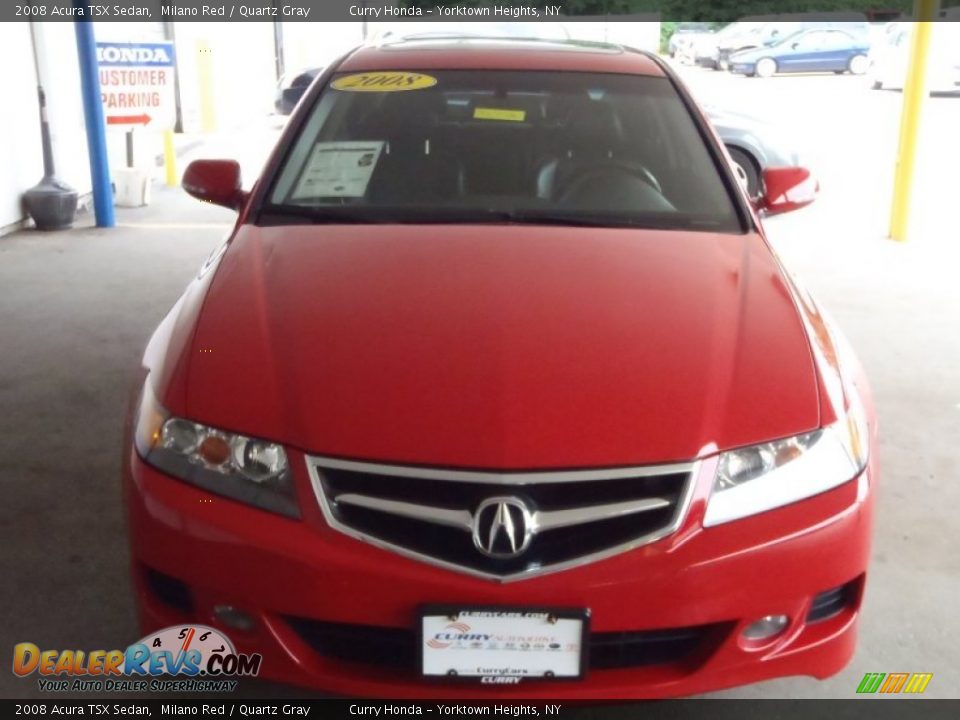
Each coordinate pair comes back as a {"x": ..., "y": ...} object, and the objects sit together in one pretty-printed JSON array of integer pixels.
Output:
[{"x": 96, "y": 129}]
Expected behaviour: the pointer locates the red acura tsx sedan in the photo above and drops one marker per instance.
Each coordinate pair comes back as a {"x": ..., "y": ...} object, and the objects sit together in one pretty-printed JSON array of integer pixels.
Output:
[{"x": 497, "y": 389}]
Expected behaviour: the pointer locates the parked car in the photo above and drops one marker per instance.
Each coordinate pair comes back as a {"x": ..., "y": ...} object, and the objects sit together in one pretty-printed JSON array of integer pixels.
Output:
[
  {"x": 498, "y": 348},
  {"x": 747, "y": 34},
  {"x": 818, "y": 50},
  {"x": 291, "y": 88},
  {"x": 683, "y": 34},
  {"x": 889, "y": 59},
  {"x": 753, "y": 146},
  {"x": 690, "y": 44},
  {"x": 759, "y": 32},
  {"x": 706, "y": 50}
]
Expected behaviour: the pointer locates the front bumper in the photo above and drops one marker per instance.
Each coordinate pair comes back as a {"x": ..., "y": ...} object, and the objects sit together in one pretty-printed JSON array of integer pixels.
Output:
[{"x": 302, "y": 580}]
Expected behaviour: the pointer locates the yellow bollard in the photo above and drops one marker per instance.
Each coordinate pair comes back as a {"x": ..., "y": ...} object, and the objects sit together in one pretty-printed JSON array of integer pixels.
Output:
[
  {"x": 208, "y": 118},
  {"x": 914, "y": 98},
  {"x": 169, "y": 158}
]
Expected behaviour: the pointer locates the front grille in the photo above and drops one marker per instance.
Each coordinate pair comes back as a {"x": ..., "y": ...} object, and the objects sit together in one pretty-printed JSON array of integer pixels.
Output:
[
  {"x": 832, "y": 602},
  {"x": 502, "y": 525},
  {"x": 168, "y": 590},
  {"x": 397, "y": 647}
]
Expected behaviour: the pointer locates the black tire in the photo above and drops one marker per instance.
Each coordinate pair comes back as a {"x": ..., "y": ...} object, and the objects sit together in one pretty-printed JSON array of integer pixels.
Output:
[{"x": 750, "y": 168}]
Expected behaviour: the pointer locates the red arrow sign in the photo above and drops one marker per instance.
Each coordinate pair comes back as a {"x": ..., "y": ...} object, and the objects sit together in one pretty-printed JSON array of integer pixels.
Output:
[{"x": 142, "y": 119}]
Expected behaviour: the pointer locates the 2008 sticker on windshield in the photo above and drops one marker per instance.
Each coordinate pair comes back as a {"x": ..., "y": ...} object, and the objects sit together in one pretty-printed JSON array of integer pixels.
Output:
[
  {"x": 338, "y": 169},
  {"x": 393, "y": 81}
]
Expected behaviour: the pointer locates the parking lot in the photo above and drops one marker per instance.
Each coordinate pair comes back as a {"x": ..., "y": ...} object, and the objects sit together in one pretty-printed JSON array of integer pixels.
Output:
[{"x": 78, "y": 308}]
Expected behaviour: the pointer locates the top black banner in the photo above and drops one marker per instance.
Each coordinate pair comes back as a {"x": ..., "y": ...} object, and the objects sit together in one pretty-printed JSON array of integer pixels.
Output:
[{"x": 709, "y": 11}]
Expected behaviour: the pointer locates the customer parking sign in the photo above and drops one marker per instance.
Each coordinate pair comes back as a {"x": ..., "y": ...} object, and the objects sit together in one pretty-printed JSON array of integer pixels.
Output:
[{"x": 137, "y": 83}]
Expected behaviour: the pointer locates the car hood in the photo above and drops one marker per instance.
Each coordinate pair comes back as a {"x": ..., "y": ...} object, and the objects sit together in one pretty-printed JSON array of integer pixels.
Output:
[
  {"x": 752, "y": 54},
  {"x": 500, "y": 346}
]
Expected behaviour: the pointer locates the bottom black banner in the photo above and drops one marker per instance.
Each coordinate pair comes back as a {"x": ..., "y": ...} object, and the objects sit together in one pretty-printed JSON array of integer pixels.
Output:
[{"x": 876, "y": 709}]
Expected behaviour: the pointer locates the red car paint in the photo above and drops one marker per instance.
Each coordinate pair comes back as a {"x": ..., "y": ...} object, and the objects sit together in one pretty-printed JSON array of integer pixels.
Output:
[{"x": 475, "y": 347}]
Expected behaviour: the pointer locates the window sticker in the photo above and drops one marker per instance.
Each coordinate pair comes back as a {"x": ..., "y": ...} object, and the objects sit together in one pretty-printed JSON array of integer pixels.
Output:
[
  {"x": 338, "y": 169},
  {"x": 383, "y": 82},
  {"x": 484, "y": 113}
]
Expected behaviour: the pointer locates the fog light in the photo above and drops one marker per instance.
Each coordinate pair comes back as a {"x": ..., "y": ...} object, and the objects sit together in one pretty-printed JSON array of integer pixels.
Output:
[
  {"x": 766, "y": 627},
  {"x": 231, "y": 617}
]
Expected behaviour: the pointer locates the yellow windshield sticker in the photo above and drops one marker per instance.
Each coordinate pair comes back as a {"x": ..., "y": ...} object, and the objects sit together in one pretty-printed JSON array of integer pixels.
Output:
[
  {"x": 383, "y": 82},
  {"x": 482, "y": 113}
]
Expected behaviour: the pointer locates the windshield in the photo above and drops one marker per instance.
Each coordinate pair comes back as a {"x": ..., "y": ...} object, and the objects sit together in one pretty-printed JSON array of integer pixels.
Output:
[{"x": 470, "y": 146}]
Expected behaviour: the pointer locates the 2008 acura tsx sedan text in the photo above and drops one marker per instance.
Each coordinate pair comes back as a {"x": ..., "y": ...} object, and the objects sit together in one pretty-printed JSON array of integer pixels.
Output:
[{"x": 497, "y": 388}]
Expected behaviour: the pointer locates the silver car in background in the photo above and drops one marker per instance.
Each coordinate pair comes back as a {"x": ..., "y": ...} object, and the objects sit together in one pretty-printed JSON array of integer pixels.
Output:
[{"x": 753, "y": 146}]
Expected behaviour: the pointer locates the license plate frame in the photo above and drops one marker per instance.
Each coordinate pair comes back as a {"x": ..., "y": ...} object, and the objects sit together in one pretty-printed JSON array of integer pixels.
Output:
[{"x": 489, "y": 615}]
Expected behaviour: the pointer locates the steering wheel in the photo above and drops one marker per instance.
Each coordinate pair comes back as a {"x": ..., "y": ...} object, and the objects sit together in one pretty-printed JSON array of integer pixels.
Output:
[{"x": 584, "y": 176}]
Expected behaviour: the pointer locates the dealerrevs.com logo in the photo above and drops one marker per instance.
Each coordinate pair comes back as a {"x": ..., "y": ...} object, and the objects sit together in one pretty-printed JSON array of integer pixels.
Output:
[{"x": 200, "y": 658}]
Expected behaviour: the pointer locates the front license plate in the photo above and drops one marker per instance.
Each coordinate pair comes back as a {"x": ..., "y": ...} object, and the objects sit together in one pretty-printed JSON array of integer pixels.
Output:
[{"x": 503, "y": 646}]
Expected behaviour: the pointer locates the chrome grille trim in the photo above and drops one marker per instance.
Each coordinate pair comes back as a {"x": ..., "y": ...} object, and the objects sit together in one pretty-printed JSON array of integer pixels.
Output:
[
  {"x": 462, "y": 519},
  {"x": 507, "y": 478}
]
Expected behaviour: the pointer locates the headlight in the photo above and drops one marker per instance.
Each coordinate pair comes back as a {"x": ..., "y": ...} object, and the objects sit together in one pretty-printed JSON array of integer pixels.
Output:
[
  {"x": 242, "y": 468},
  {"x": 754, "y": 479}
]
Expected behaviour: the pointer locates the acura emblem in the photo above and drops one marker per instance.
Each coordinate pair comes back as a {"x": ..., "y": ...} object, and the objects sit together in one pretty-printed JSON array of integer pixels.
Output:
[{"x": 503, "y": 527}]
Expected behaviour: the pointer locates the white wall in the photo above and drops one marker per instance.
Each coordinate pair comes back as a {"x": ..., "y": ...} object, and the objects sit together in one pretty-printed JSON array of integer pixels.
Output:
[
  {"x": 19, "y": 132},
  {"x": 641, "y": 34},
  {"x": 21, "y": 158},
  {"x": 315, "y": 44},
  {"x": 243, "y": 71}
]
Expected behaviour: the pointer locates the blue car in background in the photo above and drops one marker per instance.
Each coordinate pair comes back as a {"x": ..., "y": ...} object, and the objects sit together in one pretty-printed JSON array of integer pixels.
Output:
[{"x": 813, "y": 50}]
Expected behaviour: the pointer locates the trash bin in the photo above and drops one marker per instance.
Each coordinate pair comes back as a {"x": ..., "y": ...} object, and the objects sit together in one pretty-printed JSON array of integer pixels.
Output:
[{"x": 132, "y": 187}]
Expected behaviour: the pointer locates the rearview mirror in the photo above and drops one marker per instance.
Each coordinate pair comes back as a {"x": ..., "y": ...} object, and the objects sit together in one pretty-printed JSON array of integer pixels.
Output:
[
  {"x": 215, "y": 181},
  {"x": 786, "y": 189}
]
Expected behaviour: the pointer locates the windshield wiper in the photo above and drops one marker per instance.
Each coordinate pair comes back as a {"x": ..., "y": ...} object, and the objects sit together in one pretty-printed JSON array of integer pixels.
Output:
[
  {"x": 540, "y": 217},
  {"x": 343, "y": 214},
  {"x": 668, "y": 221},
  {"x": 335, "y": 214}
]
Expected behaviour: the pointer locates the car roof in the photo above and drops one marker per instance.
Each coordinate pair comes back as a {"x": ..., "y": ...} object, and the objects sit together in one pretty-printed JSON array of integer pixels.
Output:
[{"x": 472, "y": 53}]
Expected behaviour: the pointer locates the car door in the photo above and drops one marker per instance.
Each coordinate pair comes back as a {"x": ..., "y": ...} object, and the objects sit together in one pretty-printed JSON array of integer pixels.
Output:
[
  {"x": 835, "y": 51},
  {"x": 797, "y": 54}
]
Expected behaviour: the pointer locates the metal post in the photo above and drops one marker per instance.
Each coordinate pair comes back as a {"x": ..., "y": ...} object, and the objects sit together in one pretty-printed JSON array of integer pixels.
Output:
[
  {"x": 169, "y": 158},
  {"x": 278, "y": 52},
  {"x": 93, "y": 116},
  {"x": 914, "y": 98},
  {"x": 130, "y": 157},
  {"x": 170, "y": 33}
]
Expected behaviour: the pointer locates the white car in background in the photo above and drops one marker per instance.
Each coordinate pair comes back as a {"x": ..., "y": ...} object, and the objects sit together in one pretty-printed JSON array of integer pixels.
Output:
[{"x": 889, "y": 59}]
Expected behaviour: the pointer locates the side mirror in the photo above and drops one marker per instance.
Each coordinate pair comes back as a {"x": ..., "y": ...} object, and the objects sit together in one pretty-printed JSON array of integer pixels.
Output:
[
  {"x": 215, "y": 181},
  {"x": 786, "y": 189}
]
